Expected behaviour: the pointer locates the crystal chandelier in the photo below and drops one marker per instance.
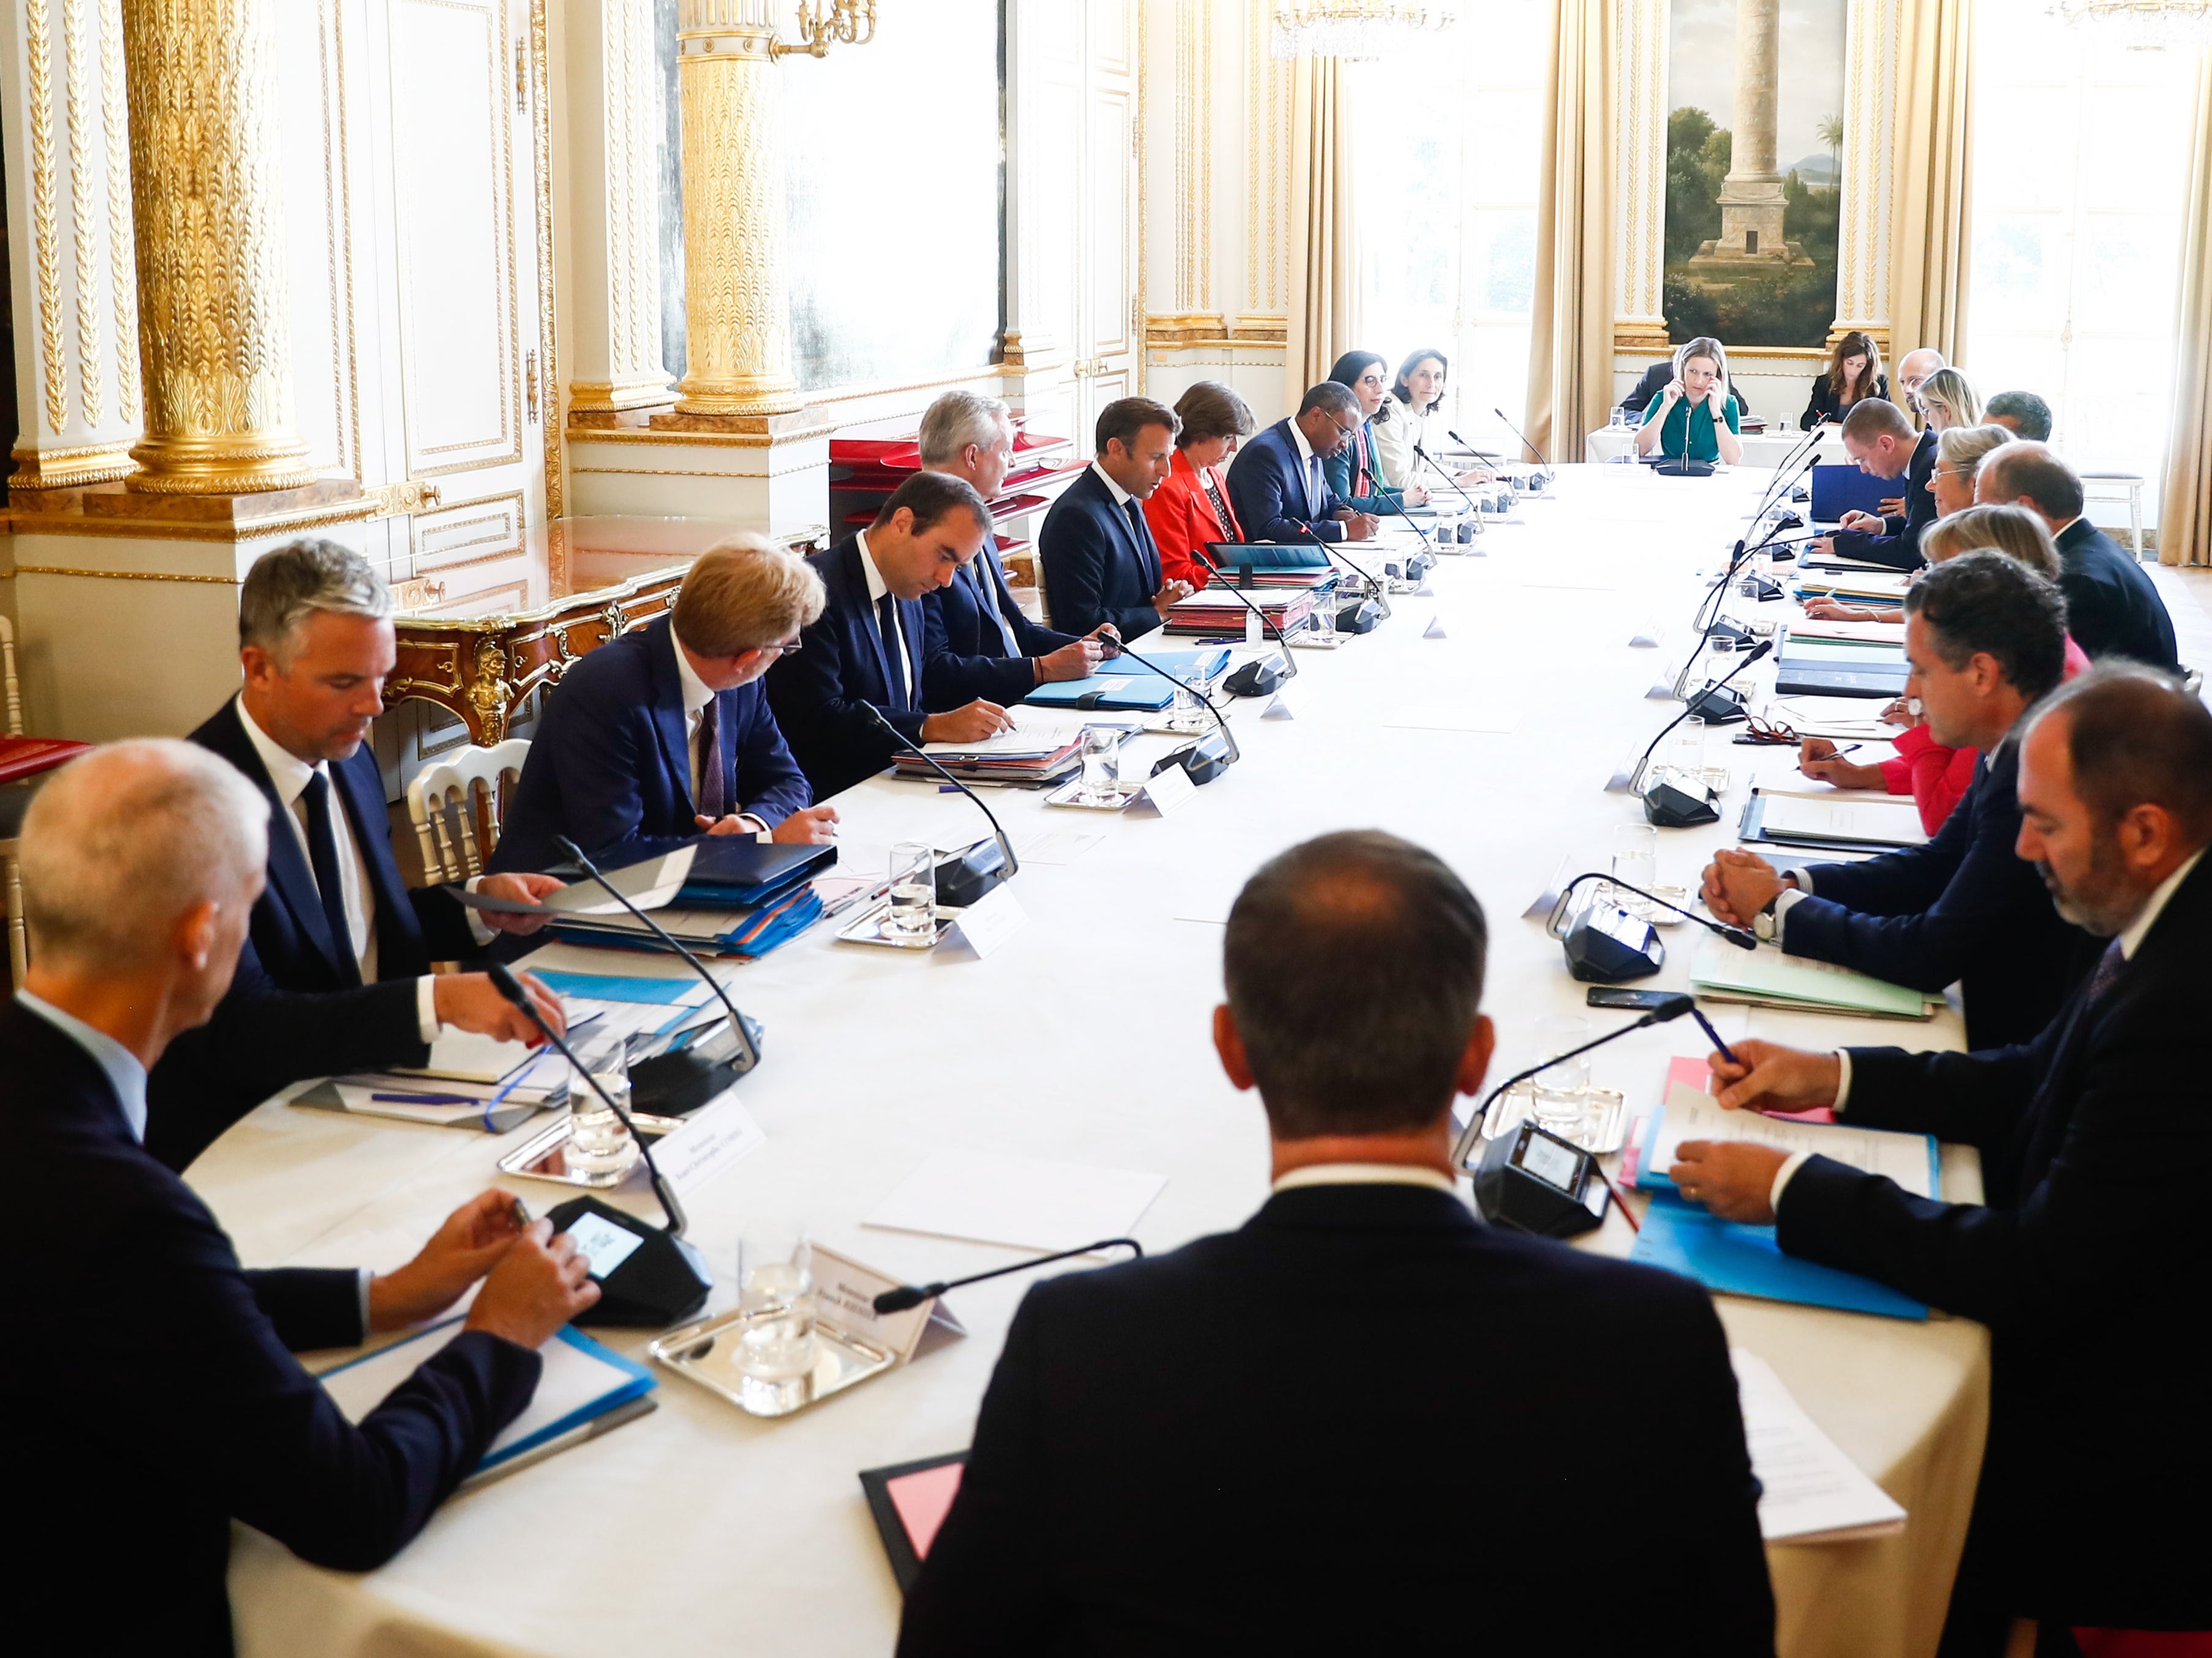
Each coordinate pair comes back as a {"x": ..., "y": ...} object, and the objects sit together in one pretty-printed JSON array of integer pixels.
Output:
[
  {"x": 1360, "y": 29},
  {"x": 2141, "y": 22}
]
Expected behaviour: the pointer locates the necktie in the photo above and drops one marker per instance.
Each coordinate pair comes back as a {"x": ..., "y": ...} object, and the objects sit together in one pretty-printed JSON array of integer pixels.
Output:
[
  {"x": 1314, "y": 486},
  {"x": 713, "y": 799},
  {"x": 2108, "y": 970},
  {"x": 1220, "y": 506},
  {"x": 986, "y": 583},
  {"x": 887, "y": 621},
  {"x": 323, "y": 858},
  {"x": 1145, "y": 557}
]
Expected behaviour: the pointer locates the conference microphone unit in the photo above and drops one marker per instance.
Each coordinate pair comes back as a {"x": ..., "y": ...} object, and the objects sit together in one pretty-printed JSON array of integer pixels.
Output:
[
  {"x": 967, "y": 875},
  {"x": 1428, "y": 553},
  {"x": 908, "y": 1297},
  {"x": 1532, "y": 1180},
  {"x": 1636, "y": 776},
  {"x": 1254, "y": 678},
  {"x": 1543, "y": 467},
  {"x": 648, "y": 1276},
  {"x": 1204, "y": 760},
  {"x": 1363, "y": 615},
  {"x": 1472, "y": 522},
  {"x": 1599, "y": 949}
]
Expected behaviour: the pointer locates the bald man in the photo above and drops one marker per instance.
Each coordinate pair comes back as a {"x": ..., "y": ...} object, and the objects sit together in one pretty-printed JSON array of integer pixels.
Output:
[{"x": 140, "y": 865}]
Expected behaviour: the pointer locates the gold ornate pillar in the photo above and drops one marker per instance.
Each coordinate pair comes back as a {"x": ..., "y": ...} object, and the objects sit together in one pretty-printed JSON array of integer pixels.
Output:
[
  {"x": 215, "y": 344},
  {"x": 737, "y": 312}
]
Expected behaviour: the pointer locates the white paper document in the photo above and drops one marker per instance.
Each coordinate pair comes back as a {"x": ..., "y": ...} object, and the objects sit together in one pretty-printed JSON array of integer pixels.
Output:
[
  {"x": 1022, "y": 1202},
  {"x": 1032, "y": 734},
  {"x": 1811, "y": 1492},
  {"x": 1691, "y": 1115},
  {"x": 1875, "y": 822}
]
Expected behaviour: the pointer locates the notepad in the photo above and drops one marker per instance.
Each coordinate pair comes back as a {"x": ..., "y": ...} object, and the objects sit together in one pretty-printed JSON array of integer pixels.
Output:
[
  {"x": 1768, "y": 977},
  {"x": 581, "y": 1382},
  {"x": 1880, "y": 821},
  {"x": 1913, "y": 1161},
  {"x": 1809, "y": 1491}
]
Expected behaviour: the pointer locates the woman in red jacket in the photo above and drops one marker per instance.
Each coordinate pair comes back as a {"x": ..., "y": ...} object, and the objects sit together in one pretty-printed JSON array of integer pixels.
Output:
[{"x": 1191, "y": 508}]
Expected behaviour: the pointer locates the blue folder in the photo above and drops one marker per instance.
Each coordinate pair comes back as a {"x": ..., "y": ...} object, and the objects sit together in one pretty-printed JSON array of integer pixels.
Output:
[
  {"x": 1839, "y": 490},
  {"x": 1745, "y": 1260},
  {"x": 1124, "y": 682}
]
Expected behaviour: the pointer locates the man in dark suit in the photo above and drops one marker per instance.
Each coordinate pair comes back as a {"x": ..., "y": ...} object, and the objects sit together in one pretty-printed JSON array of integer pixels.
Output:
[
  {"x": 141, "y": 862},
  {"x": 2111, "y": 607},
  {"x": 1097, "y": 553},
  {"x": 859, "y": 664},
  {"x": 1986, "y": 638},
  {"x": 2089, "y": 1258},
  {"x": 981, "y": 642},
  {"x": 1276, "y": 485},
  {"x": 1878, "y": 435},
  {"x": 335, "y": 975},
  {"x": 1166, "y": 1462},
  {"x": 666, "y": 734}
]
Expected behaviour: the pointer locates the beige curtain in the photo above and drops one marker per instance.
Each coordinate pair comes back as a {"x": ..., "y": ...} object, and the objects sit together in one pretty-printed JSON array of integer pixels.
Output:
[
  {"x": 1324, "y": 270},
  {"x": 1571, "y": 324},
  {"x": 2185, "y": 517},
  {"x": 1930, "y": 170}
]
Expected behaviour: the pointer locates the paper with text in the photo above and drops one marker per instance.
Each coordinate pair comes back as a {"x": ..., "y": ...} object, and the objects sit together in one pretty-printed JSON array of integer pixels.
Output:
[
  {"x": 1907, "y": 1159},
  {"x": 1811, "y": 1492}
]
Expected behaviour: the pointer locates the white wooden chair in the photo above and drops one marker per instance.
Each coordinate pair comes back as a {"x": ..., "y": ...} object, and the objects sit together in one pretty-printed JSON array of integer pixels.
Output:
[
  {"x": 2116, "y": 487},
  {"x": 457, "y": 804}
]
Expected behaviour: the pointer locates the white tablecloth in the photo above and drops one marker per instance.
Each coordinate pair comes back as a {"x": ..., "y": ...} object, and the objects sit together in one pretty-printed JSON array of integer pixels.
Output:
[
  {"x": 1764, "y": 451},
  {"x": 1084, "y": 1038}
]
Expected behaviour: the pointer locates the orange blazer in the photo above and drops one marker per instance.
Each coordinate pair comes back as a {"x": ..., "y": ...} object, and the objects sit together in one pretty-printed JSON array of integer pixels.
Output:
[{"x": 1181, "y": 518}]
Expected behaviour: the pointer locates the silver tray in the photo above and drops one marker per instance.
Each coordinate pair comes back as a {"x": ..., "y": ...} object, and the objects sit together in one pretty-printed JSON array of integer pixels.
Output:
[
  {"x": 1065, "y": 796},
  {"x": 542, "y": 1156},
  {"x": 1605, "y": 1117},
  {"x": 869, "y": 929},
  {"x": 698, "y": 1352}
]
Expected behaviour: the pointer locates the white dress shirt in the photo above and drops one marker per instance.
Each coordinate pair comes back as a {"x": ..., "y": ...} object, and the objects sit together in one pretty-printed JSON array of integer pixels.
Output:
[
  {"x": 1306, "y": 462},
  {"x": 697, "y": 696},
  {"x": 1121, "y": 497},
  {"x": 876, "y": 590},
  {"x": 1367, "y": 1175},
  {"x": 289, "y": 775}
]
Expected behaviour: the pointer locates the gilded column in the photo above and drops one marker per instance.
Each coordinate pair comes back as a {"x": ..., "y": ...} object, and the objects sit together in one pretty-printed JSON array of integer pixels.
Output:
[
  {"x": 1869, "y": 109},
  {"x": 1639, "y": 192},
  {"x": 737, "y": 314},
  {"x": 204, "y": 176}
]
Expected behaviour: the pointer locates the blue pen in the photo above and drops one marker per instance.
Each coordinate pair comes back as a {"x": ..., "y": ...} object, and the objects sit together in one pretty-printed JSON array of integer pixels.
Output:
[{"x": 1715, "y": 1036}]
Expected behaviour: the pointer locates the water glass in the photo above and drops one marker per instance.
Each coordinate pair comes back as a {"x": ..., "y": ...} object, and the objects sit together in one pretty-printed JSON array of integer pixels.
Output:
[
  {"x": 776, "y": 1338},
  {"x": 1321, "y": 621},
  {"x": 1101, "y": 766},
  {"x": 913, "y": 911},
  {"x": 598, "y": 1143},
  {"x": 1188, "y": 713},
  {"x": 1685, "y": 751},
  {"x": 1636, "y": 862},
  {"x": 1560, "y": 1099}
]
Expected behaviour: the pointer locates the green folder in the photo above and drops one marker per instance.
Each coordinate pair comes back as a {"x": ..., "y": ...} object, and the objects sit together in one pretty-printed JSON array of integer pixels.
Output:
[{"x": 1767, "y": 975}]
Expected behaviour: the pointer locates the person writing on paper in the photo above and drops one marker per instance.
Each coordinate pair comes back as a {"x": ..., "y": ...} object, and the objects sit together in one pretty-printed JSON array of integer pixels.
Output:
[
  {"x": 1693, "y": 418},
  {"x": 1880, "y": 438},
  {"x": 2087, "y": 1257},
  {"x": 335, "y": 975},
  {"x": 1985, "y": 640},
  {"x": 1960, "y": 451},
  {"x": 1147, "y": 1474},
  {"x": 1937, "y": 777},
  {"x": 666, "y": 734},
  {"x": 865, "y": 649},
  {"x": 1190, "y": 510},
  {"x": 167, "y": 1403},
  {"x": 1278, "y": 485},
  {"x": 1401, "y": 426},
  {"x": 980, "y": 642},
  {"x": 1854, "y": 374}
]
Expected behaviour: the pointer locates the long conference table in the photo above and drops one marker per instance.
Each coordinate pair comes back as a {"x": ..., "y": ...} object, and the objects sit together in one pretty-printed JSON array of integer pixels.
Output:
[{"x": 1084, "y": 1039}]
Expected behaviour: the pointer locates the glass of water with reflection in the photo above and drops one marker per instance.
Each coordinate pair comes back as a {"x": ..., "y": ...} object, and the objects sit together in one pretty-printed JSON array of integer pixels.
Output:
[
  {"x": 1635, "y": 861},
  {"x": 1102, "y": 765},
  {"x": 1560, "y": 1101},
  {"x": 913, "y": 911},
  {"x": 1320, "y": 620},
  {"x": 776, "y": 1340}
]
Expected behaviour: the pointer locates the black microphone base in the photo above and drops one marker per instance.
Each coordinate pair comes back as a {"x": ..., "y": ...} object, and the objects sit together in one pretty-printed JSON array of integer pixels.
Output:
[
  {"x": 964, "y": 878},
  {"x": 1718, "y": 705},
  {"x": 1361, "y": 616},
  {"x": 662, "y": 1281},
  {"x": 1621, "y": 949},
  {"x": 1727, "y": 635},
  {"x": 1683, "y": 469},
  {"x": 1670, "y": 806},
  {"x": 1508, "y": 1194},
  {"x": 1418, "y": 564},
  {"x": 1201, "y": 761},
  {"x": 1258, "y": 678}
]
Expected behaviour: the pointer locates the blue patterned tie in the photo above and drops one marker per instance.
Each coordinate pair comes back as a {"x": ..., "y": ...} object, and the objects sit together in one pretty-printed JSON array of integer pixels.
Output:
[
  {"x": 2108, "y": 970},
  {"x": 323, "y": 858}
]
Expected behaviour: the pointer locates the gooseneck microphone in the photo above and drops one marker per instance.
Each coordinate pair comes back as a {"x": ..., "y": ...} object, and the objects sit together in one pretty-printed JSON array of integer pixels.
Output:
[
  {"x": 1379, "y": 590},
  {"x": 1254, "y": 678},
  {"x": 1635, "y": 776},
  {"x": 743, "y": 1028},
  {"x": 975, "y": 871},
  {"x": 1673, "y": 1008},
  {"x": 1542, "y": 464},
  {"x": 1200, "y": 757},
  {"x": 1444, "y": 472},
  {"x": 909, "y": 1295},
  {"x": 1742, "y": 937}
]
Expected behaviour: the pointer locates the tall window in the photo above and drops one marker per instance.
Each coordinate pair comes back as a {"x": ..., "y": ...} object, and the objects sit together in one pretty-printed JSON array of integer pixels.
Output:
[
  {"x": 1445, "y": 176},
  {"x": 2081, "y": 167}
]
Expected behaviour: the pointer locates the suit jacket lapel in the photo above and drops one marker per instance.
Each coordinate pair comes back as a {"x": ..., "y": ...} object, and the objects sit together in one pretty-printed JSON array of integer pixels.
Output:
[
  {"x": 871, "y": 621},
  {"x": 360, "y": 786},
  {"x": 668, "y": 705},
  {"x": 290, "y": 877}
]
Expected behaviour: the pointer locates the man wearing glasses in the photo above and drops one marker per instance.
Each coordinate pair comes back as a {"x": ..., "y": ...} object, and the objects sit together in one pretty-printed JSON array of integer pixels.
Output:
[
  {"x": 666, "y": 734},
  {"x": 1276, "y": 487}
]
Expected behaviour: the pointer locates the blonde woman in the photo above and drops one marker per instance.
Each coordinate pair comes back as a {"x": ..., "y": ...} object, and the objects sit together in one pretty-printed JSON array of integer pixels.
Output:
[
  {"x": 1950, "y": 400},
  {"x": 1692, "y": 418}
]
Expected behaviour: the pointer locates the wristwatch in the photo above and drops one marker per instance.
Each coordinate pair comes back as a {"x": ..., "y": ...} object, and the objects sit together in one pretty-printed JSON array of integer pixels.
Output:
[{"x": 1766, "y": 926}]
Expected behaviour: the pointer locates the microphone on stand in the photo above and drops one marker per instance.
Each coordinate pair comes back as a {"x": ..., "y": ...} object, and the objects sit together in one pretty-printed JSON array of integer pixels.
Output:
[
  {"x": 1544, "y": 467},
  {"x": 1742, "y": 937},
  {"x": 1211, "y": 755},
  {"x": 1696, "y": 705},
  {"x": 1474, "y": 512},
  {"x": 1367, "y": 611},
  {"x": 1428, "y": 547},
  {"x": 961, "y": 880},
  {"x": 1672, "y": 1008},
  {"x": 1254, "y": 678},
  {"x": 660, "y": 1276},
  {"x": 910, "y": 1295}
]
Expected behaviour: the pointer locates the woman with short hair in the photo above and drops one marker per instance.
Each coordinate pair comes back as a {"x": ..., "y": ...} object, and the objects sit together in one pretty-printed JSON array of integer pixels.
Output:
[
  {"x": 1190, "y": 509},
  {"x": 1692, "y": 418},
  {"x": 1401, "y": 424}
]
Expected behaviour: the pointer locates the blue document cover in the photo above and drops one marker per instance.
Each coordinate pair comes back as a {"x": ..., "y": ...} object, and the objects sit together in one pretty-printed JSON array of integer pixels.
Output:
[
  {"x": 1124, "y": 682},
  {"x": 1839, "y": 490},
  {"x": 1745, "y": 1260}
]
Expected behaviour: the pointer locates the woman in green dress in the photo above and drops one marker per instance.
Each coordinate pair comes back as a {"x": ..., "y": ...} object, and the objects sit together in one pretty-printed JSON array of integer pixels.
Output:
[{"x": 1693, "y": 418}]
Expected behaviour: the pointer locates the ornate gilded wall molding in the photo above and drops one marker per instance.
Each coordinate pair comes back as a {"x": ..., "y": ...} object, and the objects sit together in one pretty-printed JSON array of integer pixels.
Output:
[
  {"x": 46, "y": 235},
  {"x": 84, "y": 237},
  {"x": 1194, "y": 154},
  {"x": 1640, "y": 178},
  {"x": 615, "y": 115},
  {"x": 1869, "y": 112},
  {"x": 1266, "y": 167},
  {"x": 115, "y": 145},
  {"x": 548, "y": 340}
]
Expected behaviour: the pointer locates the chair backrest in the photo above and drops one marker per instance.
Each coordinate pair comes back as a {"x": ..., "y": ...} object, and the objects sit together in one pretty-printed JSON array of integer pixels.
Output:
[
  {"x": 457, "y": 804},
  {"x": 14, "y": 691}
]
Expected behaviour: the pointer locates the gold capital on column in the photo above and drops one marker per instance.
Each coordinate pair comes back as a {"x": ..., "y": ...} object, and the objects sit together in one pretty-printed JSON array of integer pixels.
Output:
[
  {"x": 207, "y": 199},
  {"x": 737, "y": 312}
]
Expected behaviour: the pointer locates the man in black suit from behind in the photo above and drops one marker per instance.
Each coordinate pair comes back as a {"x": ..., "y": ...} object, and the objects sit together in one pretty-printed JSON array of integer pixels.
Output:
[
  {"x": 1365, "y": 1422},
  {"x": 1096, "y": 550},
  {"x": 336, "y": 974},
  {"x": 2111, "y": 607},
  {"x": 151, "y": 1377},
  {"x": 2089, "y": 1259}
]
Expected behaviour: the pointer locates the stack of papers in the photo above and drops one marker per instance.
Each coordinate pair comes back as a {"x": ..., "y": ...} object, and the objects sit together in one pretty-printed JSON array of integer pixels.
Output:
[
  {"x": 1209, "y": 611},
  {"x": 747, "y": 936},
  {"x": 1888, "y": 590},
  {"x": 1829, "y": 820},
  {"x": 1913, "y": 1161},
  {"x": 1766, "y": 977},
  {"x": 1036, "y": 749},
  {"x": 1870, "y": 633},
  {"x": 1809, "y": 1491}
]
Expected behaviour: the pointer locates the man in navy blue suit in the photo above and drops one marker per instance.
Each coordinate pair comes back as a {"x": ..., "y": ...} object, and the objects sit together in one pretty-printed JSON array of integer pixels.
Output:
[
  {"x": 336, "y": 974},
  {"x": 141, "y": 864},
  {"x": 1877, "y": 436},
  {"x": 859, "y": 667},
  {"x": 1276, "y": 485},
  {"x": 1148, "y": 1472},
  {"x": 1986, "y": 639},
  {"x": 981, "y": 642},
  {"x": 666, "y": 734},
  {"x": 1100, "y": 563}
]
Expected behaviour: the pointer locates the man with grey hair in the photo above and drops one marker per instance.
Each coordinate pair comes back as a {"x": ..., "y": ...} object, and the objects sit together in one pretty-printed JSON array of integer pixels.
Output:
[
  {"x": 2027, "y": 415},
  {"x": 335, "y": 976},
  {"x": 141, "y": 862},
  {"x": 980, "y": 643},
  {"x": 1914, "y": 368}
]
